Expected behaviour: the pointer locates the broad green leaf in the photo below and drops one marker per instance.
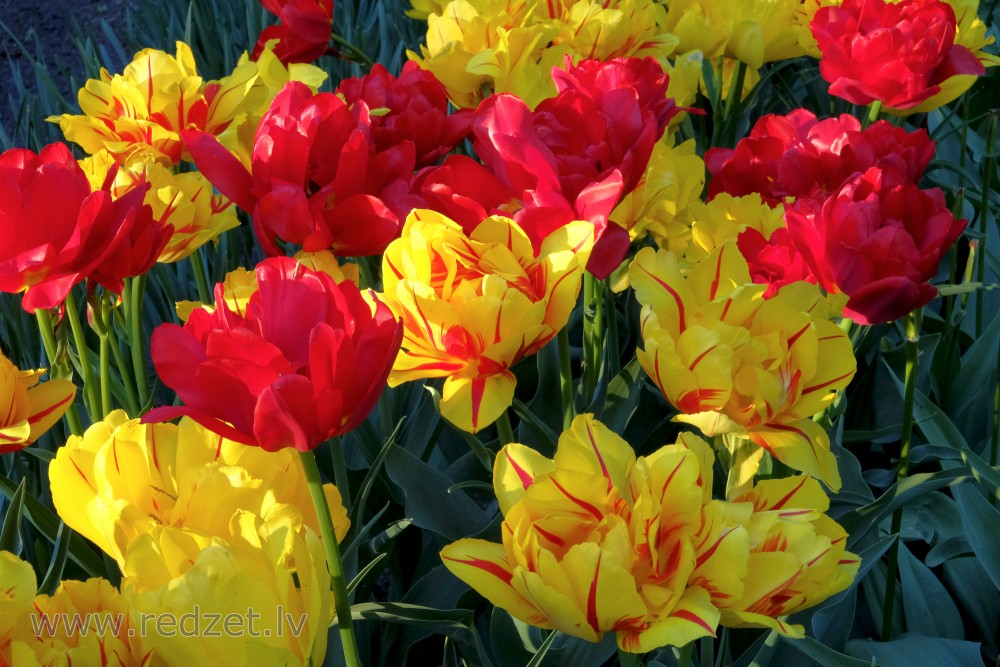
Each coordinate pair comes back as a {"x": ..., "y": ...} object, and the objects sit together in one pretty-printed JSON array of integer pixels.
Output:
[
  {"x": 510, "y": 639},
  {"x": 927, "y": 605},
  {"x": 966, "y": 577},
  {"x": 825, "y": 655},
  {"x": 981, "y": 522},
  {"x": 58, "y": 563},
  {"x": 912, "y": 649},
  {"x": 624, "y": 392},
  {"x": 543, "y": 650},
  {"x": 10, "y": 534}
]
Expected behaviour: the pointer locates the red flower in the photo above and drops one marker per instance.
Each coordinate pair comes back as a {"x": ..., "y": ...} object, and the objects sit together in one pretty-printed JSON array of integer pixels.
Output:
[
  {"x": 797, "y": 154},
  {"x": 303, "y": 33},
  {"x": 876, "y": 240},
  {"x": 775, "y": 261},
  {"x": 55, "y": 232},
  {"x": 572, "y": 158},
  {"x": 305, "y": 362},
  {"x": 316, "y": 176},
  {"x": 895, "y": 53},
  {"x": 417, "y": 111}
]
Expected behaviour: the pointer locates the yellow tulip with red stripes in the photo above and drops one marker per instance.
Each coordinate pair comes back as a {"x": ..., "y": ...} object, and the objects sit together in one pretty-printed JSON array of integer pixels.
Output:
[
  {"x": 736, "y": 363},
  {"x": 28, "y": 408},
  {"x": 596, "y": 540},
  {"x": 472, "y": 305}
]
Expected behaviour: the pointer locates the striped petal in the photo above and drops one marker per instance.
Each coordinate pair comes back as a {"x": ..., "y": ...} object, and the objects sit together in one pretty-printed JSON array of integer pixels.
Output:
[
  {"x": 692, "y": 618},
  {"x": 474, "y": 403},
  {"x": 802, "y": 445},
  {"x": 514, "y": 470}
]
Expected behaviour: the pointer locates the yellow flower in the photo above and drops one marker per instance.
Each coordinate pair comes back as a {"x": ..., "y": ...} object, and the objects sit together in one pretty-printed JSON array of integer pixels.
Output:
[
  {"x": 28, "y": 408},
  {"x": 714, "y": 223},
  {"x": 123, "y": 478},
  {"x": 269, "y": 580},
  {"x": 673, "y": 181},
  {"x": 143, "y": 110},
  {"x": 735, "y": 363},
  {"x": 17, "y": 591},
  {"x": 184, "y": 200},
  {"x": 83, "y": 623},
  {"x": 797, "y": 556},
  {"x": 474, "y": 305},
  {"x": 240, "y": 284},
  {"x": 614, "y": 29},
  {"x": 489, "y": 46},
  {"x": 598, "y": 541}
]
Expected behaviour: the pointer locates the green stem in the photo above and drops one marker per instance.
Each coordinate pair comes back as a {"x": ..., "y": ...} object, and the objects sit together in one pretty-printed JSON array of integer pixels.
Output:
[
  {"x": 504, "y": 429},
  {"x": 200, "y": 277},
  {"x": 592, "y": 334},
  {"x": 366, "y": 274},
  {"x": 912, "y": 326},
  {"x": 873, "y": 112},
  {"x": 686, "y": 658},
  {"x": 626, "y": 659},
  {"x": 707, "y": 651},
  {"x": 337, "y": 578},
  {"x": 135, "y": 295},
  {"x": 355, "y": 51},
  {"x": 105, "y": 359},
  {"x": 613, "y": 358},
  {"x": 127, "y": 381},
  {"x": 340, "y": 470},
  {"x": 59, "y": 369},
  {"x": 984, "y": 212},
  {"x": 83, "y": 352},
  {"x": 566, "y": 379},
  {"x": 736, "y": 102}
]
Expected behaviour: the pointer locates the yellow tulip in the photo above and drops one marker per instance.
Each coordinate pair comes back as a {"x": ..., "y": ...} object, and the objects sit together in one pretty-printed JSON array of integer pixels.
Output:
[
  {"x": 735, "y": 363},
  {"x": 184, "y": 200},
  {"x": 265, "y": 590},
  {"x": 17, "y": 591},
  {"x": 797, "y": 556},
  {"x": 606, "y": 30},
  {"x": 673, "y": 181},
  {"x": 598, "y": 541},
  {"x": 142, "y": 111},
  {"x": 715, "y": 222},
  {"x": 29, "y": 408},
  {"x": 83, "y": 623},
  {"x": 122, "y": 478},
  {"x": 473, "y": 305}
]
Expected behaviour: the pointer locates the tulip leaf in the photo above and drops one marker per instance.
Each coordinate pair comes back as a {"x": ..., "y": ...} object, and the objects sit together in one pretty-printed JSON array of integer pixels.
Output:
[
  {"x": 365, "y": 571},
  {"x": 58, "y": 563},
  {"x": 965, "y": 576},
  {"x": 532, "y": 421},
  {"x": 10, "y": 534},
  {"x": 981, "y": 524},
  {"x": 454, "y": 623},
  {"x": 624, "y": 392},
  {"x": 913, "y": 649},
  {"x": 427, "y": 501},
  {"x": 825, "y": 655},
  {"x": 358, "y": 511},
  {"x": 510, "y": 639},
  {"x": 536, "y": 659},
  {"x": 945, "y": 550},
  {"x": 927, "y": 605},
  {"x": 47, "y": 523}
]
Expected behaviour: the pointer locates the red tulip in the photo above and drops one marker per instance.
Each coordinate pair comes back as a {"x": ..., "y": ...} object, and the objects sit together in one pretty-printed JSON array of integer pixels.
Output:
[
  {"x": 416, "y": 109},
  {"x": 894, "y": 53},
  {"x": 775, "y": 261},
  {"x": 305, "y": 362},
  {"x": 303, "y": 33},
  {"x": 316, "y": 177},
  {"x": 573, "y": 158},
  {"x": 797, "y": 154},
  {"x": 876, "y": 240},
  {"x": 55, "y": 232}
]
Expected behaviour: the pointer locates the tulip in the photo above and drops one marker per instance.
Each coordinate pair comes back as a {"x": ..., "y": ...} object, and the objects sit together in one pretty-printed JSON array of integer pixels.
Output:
[
  {"x": 269, "y": 576},
  {"x": 414, "y": 107},
  {"x": 304, "y": 31},
  {"x": 18, "y": 586},
  {"x": 734, "y": 363},
  {"x": 142, "y": 111},
  {"x": 598, "y": 541},
  {"x": 306, "y": 361},
  {"x": 316, "y": 177},
  {"x": 877, "y": 241},
  {"x": 184, "y": 201},
  {"x": 797, "y": 154},
  {"x": 797, "y": 555},
  {"x": 104, "y": 629},
  {"x": 472, "y": 305},
  {"x": 898, "y": 54},
  {"x": 84, "y": 230},
  {"x": 30, "y": 408},
  {"x": 122, "y": 478}
]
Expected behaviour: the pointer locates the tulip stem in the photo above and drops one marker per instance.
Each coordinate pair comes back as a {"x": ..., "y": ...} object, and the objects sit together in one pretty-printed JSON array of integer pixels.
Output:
[
  {"x": 200, "y": 276},
  {"x": 504, "y": 429},
  {"x": 354, "y": 50},
  {"x": 123, "y": 370},
  {"x": 333, "y": 561},
  {"x": 686, "y": 657},
  {"x": 135, "y": 291},
  {"x": 592, "y": 333},
  {"x": 707, "y": 652},
  {"x": 626, "y": 659},
  {"x": 735, "y": 102},
  {"x": 83, "y": 352},
  {"x": 57, "y": 368},
  {"x": 912, "y": 325},
  {"x": 105, "y": 360},
  {"x": 873, "y": 112},
  {"x": 984, "y": 212},
  {"x": 566, "y": 378}
]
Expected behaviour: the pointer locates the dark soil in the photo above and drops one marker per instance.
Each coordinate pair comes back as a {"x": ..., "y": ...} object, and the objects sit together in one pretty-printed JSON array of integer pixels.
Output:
[{"x": 53, "y": 23}]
